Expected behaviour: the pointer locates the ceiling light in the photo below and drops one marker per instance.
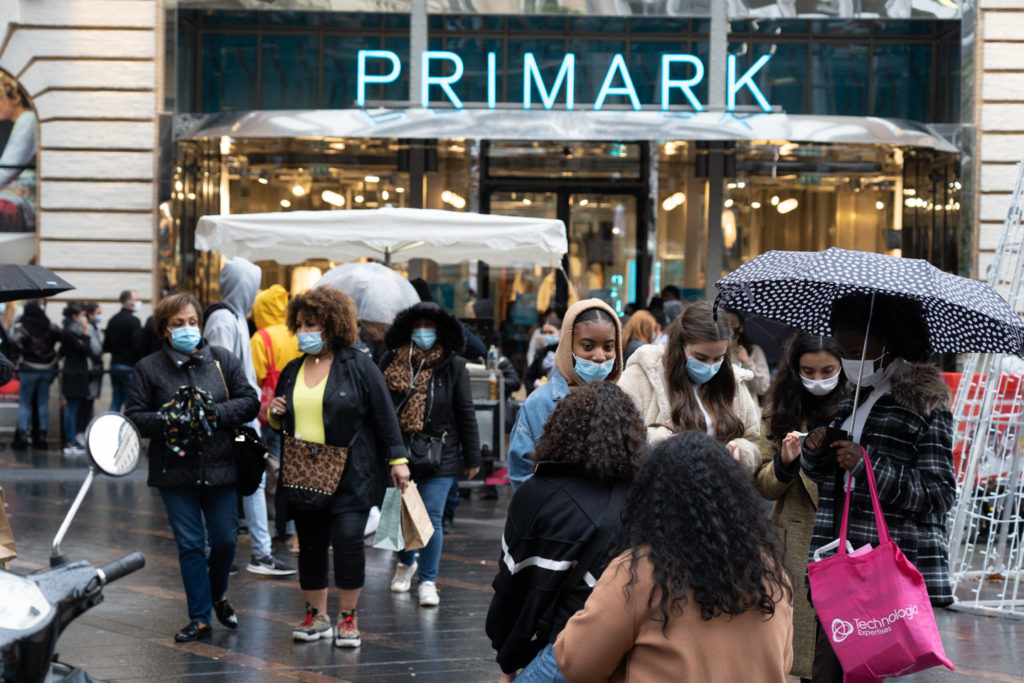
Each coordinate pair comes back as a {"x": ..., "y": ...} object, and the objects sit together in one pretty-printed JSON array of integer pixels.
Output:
[
  {"x": 775, "y": 200},
  {"x": 298, "y": 190},
  {"x": 332, "y": 198},
  {"x": 372, "y": 179},
  {"x": 879, "y": 205},
  {"x": 584, "y": 202},
  {"x": 728, "y": 203},
  {"x": 673, "y": 201},
  {"x": 358, "y": 199},
  {"x": 262, "y": 181},
  {"x": 285, "y": 203},
  {"x": 527, "y": 201},
  {"x": 755, "y": 205},
  {"x": 453, "y": 199},
  {"x": 384, "y": 195},
  {"x": 787, "y": 205}
]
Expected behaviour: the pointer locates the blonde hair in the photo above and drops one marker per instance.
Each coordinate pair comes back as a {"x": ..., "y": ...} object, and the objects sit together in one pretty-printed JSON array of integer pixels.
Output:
[{"x": 12, "y": 89}]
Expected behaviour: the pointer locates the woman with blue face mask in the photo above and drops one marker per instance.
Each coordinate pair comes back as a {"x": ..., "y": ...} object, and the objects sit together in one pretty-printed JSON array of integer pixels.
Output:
[
  {"x": 589, "y": 350},
  {"x": 333, "y": 394},
  {"x": 690, "y": 384},
  {"x": 195, "y": 478},
  {"x": 429, "y": 386}
]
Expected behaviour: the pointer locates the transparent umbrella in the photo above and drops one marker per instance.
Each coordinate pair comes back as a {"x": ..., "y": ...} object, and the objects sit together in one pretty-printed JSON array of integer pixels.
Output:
[{"x": 379, "y": 292}]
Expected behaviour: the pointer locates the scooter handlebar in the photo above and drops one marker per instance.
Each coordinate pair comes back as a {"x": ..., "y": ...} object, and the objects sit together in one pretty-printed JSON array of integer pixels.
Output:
[{"x": 121, "y": 567}]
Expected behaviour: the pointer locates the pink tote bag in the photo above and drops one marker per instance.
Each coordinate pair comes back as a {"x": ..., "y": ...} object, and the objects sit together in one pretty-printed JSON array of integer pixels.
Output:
[{"x": 874, "y": 606}]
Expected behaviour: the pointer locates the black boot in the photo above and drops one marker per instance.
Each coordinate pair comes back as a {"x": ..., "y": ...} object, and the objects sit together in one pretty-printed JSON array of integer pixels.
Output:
[
  {"x": 20, "y": 441},
  {"x": 39, "y": 442}
]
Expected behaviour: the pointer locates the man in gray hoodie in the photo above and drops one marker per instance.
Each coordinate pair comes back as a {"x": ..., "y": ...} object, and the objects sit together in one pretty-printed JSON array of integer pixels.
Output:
[{"x": 225, "y": 326}]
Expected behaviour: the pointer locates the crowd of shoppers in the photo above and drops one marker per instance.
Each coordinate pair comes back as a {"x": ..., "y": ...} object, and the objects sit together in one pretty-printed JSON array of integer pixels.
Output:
[{"x": 636, "y": 545}]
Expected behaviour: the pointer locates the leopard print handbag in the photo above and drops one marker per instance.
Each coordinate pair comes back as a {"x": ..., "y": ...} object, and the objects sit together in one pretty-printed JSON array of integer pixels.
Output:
[{"x": 311, "y": 472}]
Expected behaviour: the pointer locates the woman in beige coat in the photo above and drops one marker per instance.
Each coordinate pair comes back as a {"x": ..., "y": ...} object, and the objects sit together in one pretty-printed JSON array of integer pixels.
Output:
[
  {"x": 807, "y": 390},
  {"x": 691, "y": 384}
]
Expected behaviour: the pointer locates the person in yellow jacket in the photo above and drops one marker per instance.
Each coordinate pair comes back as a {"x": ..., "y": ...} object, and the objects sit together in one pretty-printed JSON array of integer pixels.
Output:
[{"x": 272, "y": 340}]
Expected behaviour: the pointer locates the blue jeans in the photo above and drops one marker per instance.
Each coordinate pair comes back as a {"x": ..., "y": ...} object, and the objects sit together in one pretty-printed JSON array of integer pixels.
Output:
[
  {"x": 71, "y": 418},
  {"x": 433, "y": 491},
  {"x": 255, "y": 509},
  {"x": 120, "y": 382},
  {"x": 543, "y": 669},
  {"x": 187, "y": 507},
  {"x": 35, "y": 388}
]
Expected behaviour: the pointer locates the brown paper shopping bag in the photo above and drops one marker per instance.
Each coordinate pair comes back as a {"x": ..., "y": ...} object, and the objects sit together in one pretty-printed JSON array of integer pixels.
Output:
[
  {"x": 8, "y": 551},
  {"x": 416, "y": 525}
]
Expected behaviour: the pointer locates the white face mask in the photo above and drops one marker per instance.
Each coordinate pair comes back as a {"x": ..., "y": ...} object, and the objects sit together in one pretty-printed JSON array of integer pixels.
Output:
[
  {"x": 852, "y": 368},
  {"x": 820, "y": 387}
]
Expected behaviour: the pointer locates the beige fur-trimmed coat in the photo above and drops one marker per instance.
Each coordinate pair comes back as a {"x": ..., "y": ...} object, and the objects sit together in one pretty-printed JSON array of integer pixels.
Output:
[{"x": 644, "y": 380}]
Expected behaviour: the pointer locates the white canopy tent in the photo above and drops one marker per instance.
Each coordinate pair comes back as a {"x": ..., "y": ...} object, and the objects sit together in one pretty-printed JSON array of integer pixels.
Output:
[{"x": 388, "y": 233}]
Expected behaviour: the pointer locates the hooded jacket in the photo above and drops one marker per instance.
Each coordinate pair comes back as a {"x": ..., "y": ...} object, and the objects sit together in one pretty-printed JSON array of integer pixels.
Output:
[
  {"x": 77, "y": 366},
  {"x": 908, "y": 435},
  {"x": 541, "y": 403},
  {"x": 157, "y": 377},
  {"x": 645, "y": 382},
  {"x": 450, "y": 409},
  {"x": 226, "y": 327},
  {"x": 268, "y": 312}
]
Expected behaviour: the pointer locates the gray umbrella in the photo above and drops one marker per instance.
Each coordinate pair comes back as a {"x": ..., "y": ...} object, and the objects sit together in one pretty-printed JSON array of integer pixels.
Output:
[
  {"x": 379, "y": 292},
  {"x": 798, "y": 288}
]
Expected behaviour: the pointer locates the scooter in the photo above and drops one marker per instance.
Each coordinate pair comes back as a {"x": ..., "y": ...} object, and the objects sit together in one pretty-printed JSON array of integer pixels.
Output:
[{"x": 35, "y": 609}]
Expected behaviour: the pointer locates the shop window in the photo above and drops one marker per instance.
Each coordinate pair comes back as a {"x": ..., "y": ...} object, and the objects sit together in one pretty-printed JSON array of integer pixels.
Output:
[
  {"x": 593, "y": 57},
  {"x": 840, "y": 74},
  {"x": 569, "y": 160},
  {"x": 785, "y": 84},
  {"x": 340, "y": 70},
  {"x": 229, "y": 72},
  {"x": 902, "y": 75},
  {"x": 290, "y": 65}
]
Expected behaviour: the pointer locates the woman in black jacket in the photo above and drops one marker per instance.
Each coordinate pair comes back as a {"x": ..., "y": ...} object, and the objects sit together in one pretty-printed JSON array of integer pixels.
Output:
[
  {"x": 429, "y": 384},
  {"x": 563, "y": 516},
  {"x": 75, "y": 347},
  {"x": 335, "y": 395},
  {"x": 196, "y": 475}
]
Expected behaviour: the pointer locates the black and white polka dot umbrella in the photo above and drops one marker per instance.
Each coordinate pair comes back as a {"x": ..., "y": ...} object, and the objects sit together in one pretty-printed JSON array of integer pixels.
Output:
[{"x": 798, "y": 288}]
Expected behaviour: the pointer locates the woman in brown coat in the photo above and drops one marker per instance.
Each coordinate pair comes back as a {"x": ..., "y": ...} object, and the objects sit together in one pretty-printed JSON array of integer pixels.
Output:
[
  {"x": 805, "y": 394},
  {"x": 698, "y": 591}
]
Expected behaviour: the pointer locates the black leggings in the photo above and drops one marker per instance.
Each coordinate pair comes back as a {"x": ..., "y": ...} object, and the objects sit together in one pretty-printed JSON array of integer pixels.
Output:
[{"x": 319, "y": 529}]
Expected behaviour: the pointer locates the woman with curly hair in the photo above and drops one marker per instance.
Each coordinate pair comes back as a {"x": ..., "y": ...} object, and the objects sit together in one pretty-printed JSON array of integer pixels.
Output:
[
  {"x": 560, "y": 523},
  {"x": 903, "y": 421},
  {"x": 589, "y": 350},
  {"x": 697, "y": 592},
  {"x": 690, "y": 384},
  {"x": 641, "y": 329},
  {"x": 429, "y": 385},
  {"x": 805, "y": 395},
  {"x": 333, "y": 394}
]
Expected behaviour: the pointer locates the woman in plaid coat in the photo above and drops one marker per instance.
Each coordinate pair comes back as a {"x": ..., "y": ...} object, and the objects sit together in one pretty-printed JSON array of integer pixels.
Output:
[{"x": 904, "y": 422}]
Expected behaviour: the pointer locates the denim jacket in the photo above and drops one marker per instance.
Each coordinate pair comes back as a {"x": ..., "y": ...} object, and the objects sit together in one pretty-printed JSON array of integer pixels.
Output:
[{"x": 530, "y": 424}]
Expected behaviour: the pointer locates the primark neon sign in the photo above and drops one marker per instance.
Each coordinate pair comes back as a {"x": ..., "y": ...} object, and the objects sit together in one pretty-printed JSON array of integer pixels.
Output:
[{"x": 617, "y": 81}]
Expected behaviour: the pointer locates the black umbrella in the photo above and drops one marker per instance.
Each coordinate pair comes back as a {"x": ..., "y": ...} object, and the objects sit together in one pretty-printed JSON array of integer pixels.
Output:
[
  {"x": 798, "y": 288},
  {"x": 29, "y": 282}
]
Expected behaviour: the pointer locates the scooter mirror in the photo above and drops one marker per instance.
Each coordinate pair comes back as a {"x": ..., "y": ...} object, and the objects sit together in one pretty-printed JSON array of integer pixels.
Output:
[{"x": 113, "y": 444}]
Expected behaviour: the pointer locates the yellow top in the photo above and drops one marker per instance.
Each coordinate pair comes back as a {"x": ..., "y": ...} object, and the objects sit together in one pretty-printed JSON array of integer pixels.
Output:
[{"x": 308, "y": 407}]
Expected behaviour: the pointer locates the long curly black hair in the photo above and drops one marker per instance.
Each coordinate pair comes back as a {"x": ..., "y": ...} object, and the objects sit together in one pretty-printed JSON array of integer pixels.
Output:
[
  {"x": 790, "y": 406},
  {"x": 598, "y": 427},
  {"x": 694, "y": 514}
]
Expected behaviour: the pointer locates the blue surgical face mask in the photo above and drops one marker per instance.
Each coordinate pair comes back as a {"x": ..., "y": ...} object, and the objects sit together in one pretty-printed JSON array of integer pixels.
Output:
[
  {"x": 424, "y": 337},
  {"x": 97, "y": 320},
  {"x": 701, "y": 373},
  {"x": 311, "y": 342},
  {"x": 185, "y": 339},
  {"x": 589, "y": 371},
  {"x": 3, "y": 308},
  {"x": 550, "y": 339}
]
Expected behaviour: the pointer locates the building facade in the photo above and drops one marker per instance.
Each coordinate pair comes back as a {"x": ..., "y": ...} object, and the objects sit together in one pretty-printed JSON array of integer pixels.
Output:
[{"x": 673, "y": 144}]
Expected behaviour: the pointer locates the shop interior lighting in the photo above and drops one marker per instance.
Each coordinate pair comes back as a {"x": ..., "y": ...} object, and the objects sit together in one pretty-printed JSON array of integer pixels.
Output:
[
  {"x": 358, "y": 199},
  {"x": 372, "y": 179},
  {"x": 285, "y": 203},
  {"x": 755, "y": 205},
  {"x": 192, "y": 195},
  {"x": 225, "y": 145},
  {"x": 584, "y": 201},
  {"x": 673, "y": 201},
  {"x": 775, "y": 200},
  {"x": 728, "y": 228},
  {"x": 262, "y": 181},
  {"x": 384, "y": 195},
  {"x": 527, "y": 201},
  {"x": 298, "y": 190},
  {"x": 909, "y": 191},
  {"x": 787, "y": 205},
  {"x": 337, "y": 145},
  {"x": 453, "y": 199},
  {"x": 178, "y": 187},
  {"x": 399, "y": 190},
  {"x": 729, "y": 202},
  {"x": 332, "y": 198},
  {"x": 879, "y": 205}
]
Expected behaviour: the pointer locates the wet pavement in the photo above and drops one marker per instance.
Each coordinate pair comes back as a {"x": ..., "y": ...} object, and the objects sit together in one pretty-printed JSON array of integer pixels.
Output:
[{"x": 129, "y": 636}]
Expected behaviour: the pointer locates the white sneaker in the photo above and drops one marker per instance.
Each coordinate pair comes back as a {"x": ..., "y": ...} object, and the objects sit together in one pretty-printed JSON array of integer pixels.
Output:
[
  {"x": 402, "y": 580},
  {"x": 428, "y": 594}
]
